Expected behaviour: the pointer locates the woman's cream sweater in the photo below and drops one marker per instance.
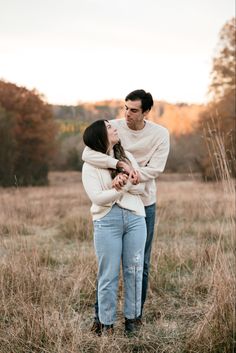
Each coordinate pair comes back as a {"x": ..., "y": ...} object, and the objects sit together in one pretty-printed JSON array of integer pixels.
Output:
[
  {"x": 150, "y": 148},
  {"x": 98, "y": 185}
]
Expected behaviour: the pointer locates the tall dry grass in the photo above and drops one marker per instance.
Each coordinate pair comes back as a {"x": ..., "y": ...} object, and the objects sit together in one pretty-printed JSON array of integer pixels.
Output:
[
  {"x": 48, "y": 271},
  {"x": 216, "y": 331}
]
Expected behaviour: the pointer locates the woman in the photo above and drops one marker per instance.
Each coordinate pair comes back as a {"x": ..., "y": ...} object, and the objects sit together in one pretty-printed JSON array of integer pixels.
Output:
[{"x": 119, "y": 227}]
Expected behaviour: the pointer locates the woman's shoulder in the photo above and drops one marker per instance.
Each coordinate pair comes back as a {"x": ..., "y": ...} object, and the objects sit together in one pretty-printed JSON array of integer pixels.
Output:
[
  {"x": 91, "y": 169},
  {"x": 87, "y": 167}
]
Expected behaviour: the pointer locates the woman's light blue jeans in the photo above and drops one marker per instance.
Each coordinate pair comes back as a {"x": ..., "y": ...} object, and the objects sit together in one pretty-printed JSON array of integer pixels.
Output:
[{"x": 119, "y": 236}]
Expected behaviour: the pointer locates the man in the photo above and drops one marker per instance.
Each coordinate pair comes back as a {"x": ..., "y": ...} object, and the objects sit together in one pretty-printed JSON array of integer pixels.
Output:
[{"x": 149, "y": 144}]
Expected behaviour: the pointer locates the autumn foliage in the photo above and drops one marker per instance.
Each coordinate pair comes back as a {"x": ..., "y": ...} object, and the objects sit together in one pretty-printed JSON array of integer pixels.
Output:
[
  {"x": 218, "y": 120},
  {"x": 27, "y": 135}
]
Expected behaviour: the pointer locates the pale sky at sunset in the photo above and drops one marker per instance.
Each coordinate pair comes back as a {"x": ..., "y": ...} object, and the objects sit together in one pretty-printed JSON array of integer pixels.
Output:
[{"x": 74, "y": 50}]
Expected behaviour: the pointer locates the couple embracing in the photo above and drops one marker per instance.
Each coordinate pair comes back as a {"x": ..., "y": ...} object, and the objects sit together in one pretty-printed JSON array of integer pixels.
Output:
[{"x": 123, "y": 158}]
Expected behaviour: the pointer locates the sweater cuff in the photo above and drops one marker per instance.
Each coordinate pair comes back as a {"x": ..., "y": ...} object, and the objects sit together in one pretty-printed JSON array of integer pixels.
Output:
[
  {"x": 112, "y": 162},
  {"x": 127, "y": 186}
]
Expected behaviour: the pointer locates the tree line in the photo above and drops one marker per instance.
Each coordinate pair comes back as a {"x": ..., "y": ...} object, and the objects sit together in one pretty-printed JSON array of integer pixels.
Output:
[
  {"x": 217, "y": 122},
  {"x": 27, "y": 135},
  {"x": 35, "y": 136}
]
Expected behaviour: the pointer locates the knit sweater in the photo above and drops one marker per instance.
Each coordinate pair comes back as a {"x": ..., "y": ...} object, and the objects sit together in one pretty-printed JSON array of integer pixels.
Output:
[
  {"x": 150, "y": 148},
  {"x": 98, "y": 185}
]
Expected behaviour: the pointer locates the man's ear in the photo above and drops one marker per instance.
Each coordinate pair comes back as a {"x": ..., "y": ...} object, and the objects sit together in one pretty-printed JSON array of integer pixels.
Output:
[{"x": 146, "y": 112}]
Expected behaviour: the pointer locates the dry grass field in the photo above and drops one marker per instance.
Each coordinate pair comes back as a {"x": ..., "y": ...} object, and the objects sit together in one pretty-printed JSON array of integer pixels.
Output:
[{"x": 48, "y": 271}]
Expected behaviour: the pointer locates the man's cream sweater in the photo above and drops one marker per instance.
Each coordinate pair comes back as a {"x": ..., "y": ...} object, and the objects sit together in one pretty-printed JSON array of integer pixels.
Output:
[
  {"x": 98, "y": 185},
  {"x": 150, "y": 148}
]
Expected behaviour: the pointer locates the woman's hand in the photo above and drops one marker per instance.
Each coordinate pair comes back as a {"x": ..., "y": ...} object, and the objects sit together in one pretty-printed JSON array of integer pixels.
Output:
[{"x": 119, "y": 181}]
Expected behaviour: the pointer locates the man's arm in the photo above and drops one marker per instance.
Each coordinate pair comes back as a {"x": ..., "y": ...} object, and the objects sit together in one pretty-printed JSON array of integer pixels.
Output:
[
  {"x": 136, "y": 188},
  {"x": 102, "y": 160},
  {"x": 157, "y": 163},
  {"x": 98, "y": 159}
]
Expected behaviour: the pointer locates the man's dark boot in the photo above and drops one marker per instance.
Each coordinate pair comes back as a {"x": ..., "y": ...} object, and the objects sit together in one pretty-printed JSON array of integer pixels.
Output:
[
  {"x": 139, "y": 323},
  {"x": 132, "y": 327}
]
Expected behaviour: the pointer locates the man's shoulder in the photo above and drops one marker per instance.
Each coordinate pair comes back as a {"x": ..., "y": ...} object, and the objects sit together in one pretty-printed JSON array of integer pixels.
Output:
[
  {"x": 157, "y": 128},
  {"x": 151, "y": 127}
]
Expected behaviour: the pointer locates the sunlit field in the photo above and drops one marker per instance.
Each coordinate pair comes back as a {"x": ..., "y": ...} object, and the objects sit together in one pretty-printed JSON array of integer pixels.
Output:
[{"x": 48, "y": 271}]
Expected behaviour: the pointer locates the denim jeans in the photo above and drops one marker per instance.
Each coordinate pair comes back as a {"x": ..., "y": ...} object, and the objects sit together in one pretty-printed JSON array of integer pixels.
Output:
[
  {"x": 150, "y": 223},
  {"x": 119, "y": 236}
]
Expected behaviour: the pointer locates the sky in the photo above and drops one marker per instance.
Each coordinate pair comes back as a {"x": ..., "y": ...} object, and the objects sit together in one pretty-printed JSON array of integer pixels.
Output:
[{"x": 75, "y": 51}]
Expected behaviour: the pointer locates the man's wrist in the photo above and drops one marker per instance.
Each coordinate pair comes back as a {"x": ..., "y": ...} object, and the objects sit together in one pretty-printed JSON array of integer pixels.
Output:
[{"x": 119, "y": 164}]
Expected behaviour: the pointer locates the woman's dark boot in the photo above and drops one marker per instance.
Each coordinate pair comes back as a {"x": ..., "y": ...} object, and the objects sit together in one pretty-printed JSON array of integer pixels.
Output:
[
  {"x": 97, "y": 328},
  {"x": 107, "y": 330}
]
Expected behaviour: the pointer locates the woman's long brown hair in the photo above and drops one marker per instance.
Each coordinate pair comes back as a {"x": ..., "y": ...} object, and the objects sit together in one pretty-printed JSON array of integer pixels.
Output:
[
  {"x": 119, "y": 154},
  {"x": 95, "y": 136}
]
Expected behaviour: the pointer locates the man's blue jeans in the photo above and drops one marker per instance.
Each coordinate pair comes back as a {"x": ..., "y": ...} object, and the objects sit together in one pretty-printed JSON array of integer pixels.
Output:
[
  {"x": 119, "y": 236},
  {"x": 150, "y": 223}
]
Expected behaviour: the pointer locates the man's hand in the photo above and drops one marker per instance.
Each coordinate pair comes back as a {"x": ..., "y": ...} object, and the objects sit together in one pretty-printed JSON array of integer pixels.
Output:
[
  {"x": 134, "y": 177},
  {"x": 119, "y": 181},
  {"x": 125, "y": 166}
]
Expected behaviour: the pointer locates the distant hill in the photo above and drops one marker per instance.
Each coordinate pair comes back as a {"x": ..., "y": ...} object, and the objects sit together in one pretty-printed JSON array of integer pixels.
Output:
[
  {"x": 178, "y": 118},
  {"x": 86, "y": 112}
]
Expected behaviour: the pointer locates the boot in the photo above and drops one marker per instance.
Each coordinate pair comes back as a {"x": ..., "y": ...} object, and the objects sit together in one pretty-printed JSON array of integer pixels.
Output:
[
  {"x": 97, "y": 328},
  {"x": 108, "y": 330},
  {"x": 131, "y": 327}
]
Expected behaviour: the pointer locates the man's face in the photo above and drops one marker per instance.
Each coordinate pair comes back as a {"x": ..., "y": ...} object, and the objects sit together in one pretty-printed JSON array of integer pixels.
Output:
[{"x": 133, "y": 114}]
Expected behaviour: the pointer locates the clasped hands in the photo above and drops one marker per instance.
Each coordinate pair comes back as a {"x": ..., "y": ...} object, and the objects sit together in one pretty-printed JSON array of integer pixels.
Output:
[{"x": 128, "y": 173}]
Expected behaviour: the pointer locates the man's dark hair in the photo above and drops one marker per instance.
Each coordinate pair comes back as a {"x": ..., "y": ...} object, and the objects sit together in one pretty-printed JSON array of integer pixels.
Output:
[
  {"x": 145, "y": 97},
  {"x": 95, "y": 136}
]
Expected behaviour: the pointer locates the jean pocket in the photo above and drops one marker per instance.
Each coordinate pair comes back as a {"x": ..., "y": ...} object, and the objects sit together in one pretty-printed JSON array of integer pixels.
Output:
[{"x": 97, "y": 224}]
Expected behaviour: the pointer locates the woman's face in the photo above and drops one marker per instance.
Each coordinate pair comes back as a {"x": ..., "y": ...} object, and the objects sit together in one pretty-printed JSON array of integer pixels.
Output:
[{"x": 112, "y": 134}]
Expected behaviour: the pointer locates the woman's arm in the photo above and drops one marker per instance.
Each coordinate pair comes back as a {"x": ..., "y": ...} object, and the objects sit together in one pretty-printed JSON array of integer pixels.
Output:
[
  {"x": 131, "y": 184},
  {"x": 92, "y": 185}
]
